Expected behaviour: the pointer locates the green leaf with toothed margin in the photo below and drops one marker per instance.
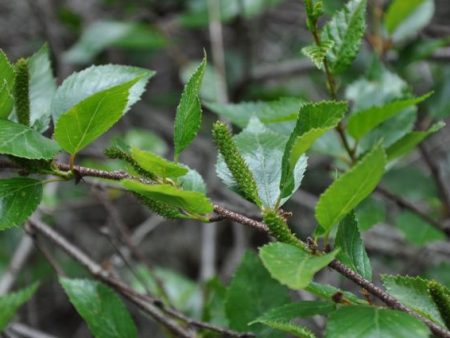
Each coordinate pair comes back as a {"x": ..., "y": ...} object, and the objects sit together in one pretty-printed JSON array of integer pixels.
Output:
[
  {"x": 89, "y": 119},
  {"x": 189, "y": 111},
  {"x": 100, "y": 307},
  {"x": 346, "y": 192}
]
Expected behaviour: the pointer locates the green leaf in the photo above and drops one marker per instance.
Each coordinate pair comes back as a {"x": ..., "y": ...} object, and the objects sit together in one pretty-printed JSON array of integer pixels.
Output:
[
  {"x": 192, "y": 181},
  {"x": 251, "y": 292},
  {"x": 359, "y": 321},
  {"x": 10, "y": 303},
  {"x": 19, "y": 197},
  {"x": 326, "y": 291},
  {"x": 291, "y": 328},
  {"x": 292, "y": 266},
  {"x": 314, "y": 120},
  {"x": 352, "y": 251},
  {"x": 404, "y": 19},
  {"x": 191, "y": 201},
  {"x": 408, "y": 142},
  {"x": 416, "y": 230},
  {"x": 112, "y": 33},
  {"x": 21, "y": 141},
  {"x": 92, "y": 117},
  {"x": 7, "y": 78},
  {"x": 94, "y": 79},
  {"x": 441, "y": 298},
  {"x": 361, "y": 122},
  {"x": 42, "y": 89},
  {"x": 317, "y": 53},
  {"x": 346, "y": 29},
  {"x": 157, "y": 165},
  {"x": 346, "y": 192},
  {"x": 276, "y": 115},
  {"x": 214, "y": 308},
  {"x": 189, "y": 111},
  {"x": 370, "y": 212},
  {"x": 100, "y": 307},
  {"x": 413, "y": 292},
  {"x": 262, "y": 150}
]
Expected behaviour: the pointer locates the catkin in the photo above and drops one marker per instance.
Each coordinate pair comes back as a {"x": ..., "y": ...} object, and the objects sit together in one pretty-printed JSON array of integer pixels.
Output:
[
  {"x": 279, "y": 228},
  {"x": 441, "y": 297},
  {"x": 21, "y": 92}
]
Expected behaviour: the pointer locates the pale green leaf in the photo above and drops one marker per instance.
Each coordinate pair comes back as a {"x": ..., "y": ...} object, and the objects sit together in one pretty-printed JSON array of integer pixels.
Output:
[
  {"x": 359, "y": 321},
  {"x": 100, "y": 307},
  {"x": 294, "y": 330},
  {"x": 291, "y": 265},
  {"x": 404, "y": 19},
  {"x": 94, "y": 79},
  {"x": 21, "y": 141},
  {"x": 346, "y": 192},
  {"x": 413, "y": 292},
  {"x": 317, "y": 53},
  {"x": 192, "y": 181},
  {"x": 361, "y": 122},
  {"x": 277, "y": 115},
  {"x": 251, "y": 292},
  {"x": 42, "y": 89},
  {"x": 189, "y": 111},
  {"x": 346, "y": 29},
  {"x": 7, "y": 79},
  {"x": 262, "y": 150},
  {"x": 314, "y": 119},
  {"x": 157, "y": 165},
  {"x": 190, "y": 201},
  {"x": 11, "y": 302},
  {"x": 408, "y": 142},
  {"x": 92, "y": 117},
  {"x": 352, "y": 251},
  {"x": 416, "y": 230}
]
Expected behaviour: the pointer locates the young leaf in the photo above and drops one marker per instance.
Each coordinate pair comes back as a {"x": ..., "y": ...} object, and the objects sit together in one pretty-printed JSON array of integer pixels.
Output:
[
  {"x": 92, "y": 117},
  {"x": 360, "y": 123},
  {"x": 314, "y": 119},
  {"x": 262, "y": 150},
  {"x": 189, "y": 111},
  {"x": 352, "y": 252},
  {"x": 441, "y": 298},
  {"x": 356, "y": 321},
  {"x": 10, "y": 303},
  {"x": 413, "y": 292},
  {"x": 19, "y": 197},
  {"x": 21, "y": 141},
  {"x": 157, "y": 165},
  {"x": 346, "y": 28},
  {"x": 94, "y": 79},
  {"x": 42, "y": 89},
  {"x": 100, "y": 307},
  {"x": 291, "y": 265},
  {"x": 350, "y": 189},
  {"x": 408, "y": 142},
  {"x": 251, "y": 292},
  {"x": 317, "y": 53},
  {"x": 404, "y": 19},
  {"x": 7, "y": 79},
  {"x": 236, "y": 165},
  {"x": 191, "y": 201}
]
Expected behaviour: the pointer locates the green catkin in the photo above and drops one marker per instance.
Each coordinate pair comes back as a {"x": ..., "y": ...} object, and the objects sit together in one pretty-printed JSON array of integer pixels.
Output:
[
  {"x": 160, "y": 208},
  {"x": 116, "y": 153},
  {"x": 279, "y": 228},
  {"x": 235, "y": 162},
  {"x": 21, "y": 92},
  {"x": 441, "y": 297}
]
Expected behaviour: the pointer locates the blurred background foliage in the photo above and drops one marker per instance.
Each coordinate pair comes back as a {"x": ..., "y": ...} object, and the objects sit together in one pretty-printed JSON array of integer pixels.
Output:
[{"x": 262, "y": 64}]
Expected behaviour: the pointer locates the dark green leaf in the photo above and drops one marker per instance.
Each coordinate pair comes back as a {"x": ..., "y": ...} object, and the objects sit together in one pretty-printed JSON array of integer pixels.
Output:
[
  {"x": 416, "y": 230},
  {"x": 189, "y": 111},
  {"x": 100, "y": 307},
  {"x": 301, "y": 309},
  {"x": 92, "y": 117},
  {"x": 11, "y": 302},
  {"x": 291, "y": 265},
  {"x": 191, "y": 201},
  {"x": 359, "y": 321},
  {"x": 346, "y": 192},
  {"x": 346, "y": 29},
  {"x": 7, "y": 79},
  {"x": 352, "y": 251},
  {"x": 370, "y": 212},
  {"x": 314, "y": 119},
  {"x": 251, "y": 292}
]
